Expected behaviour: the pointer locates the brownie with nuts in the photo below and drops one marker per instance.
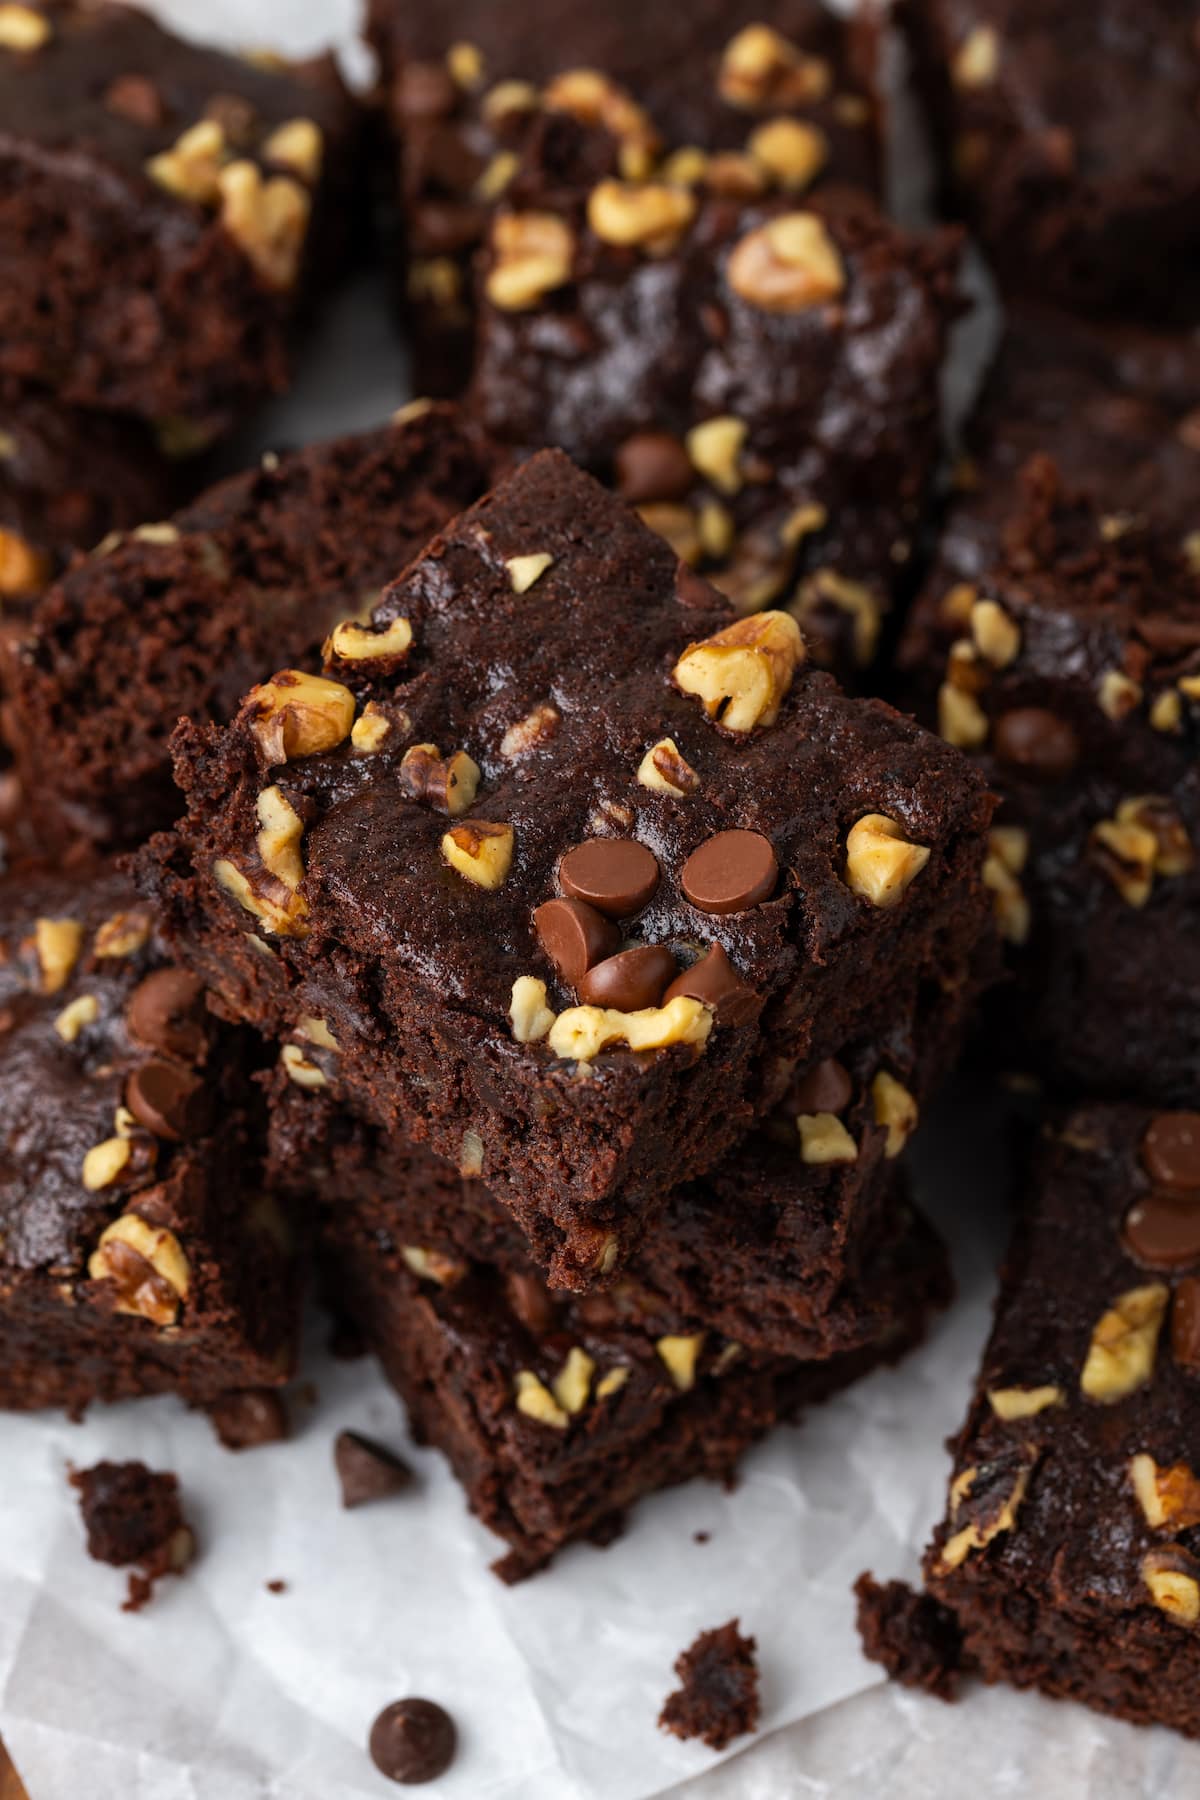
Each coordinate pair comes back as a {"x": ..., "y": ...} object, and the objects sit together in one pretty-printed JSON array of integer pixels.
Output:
[
  {"x": 558, "y": 1411},
  {"x": 138, "y": 1251},
  {"x": 178, "y": 616},
  {"x": 466, "y": 86},
  {"x": 1066, "y": 131},
  {"x": 756, "y": 370},
  {"x": 570, "y": 866},
  {"x": 165, "y": 210},
  {"x": 1068, "y": 1550},
  {"x": 1072, "y": 676}
]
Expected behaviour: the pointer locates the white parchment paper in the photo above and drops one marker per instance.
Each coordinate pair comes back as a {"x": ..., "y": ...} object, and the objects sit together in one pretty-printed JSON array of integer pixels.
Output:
[{"x": 224, "y": 1690}]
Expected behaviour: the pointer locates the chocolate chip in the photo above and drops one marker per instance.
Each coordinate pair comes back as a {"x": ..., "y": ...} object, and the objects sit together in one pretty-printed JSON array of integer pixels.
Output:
[
  {"x": 630, "y": 980},
  {"x": 615, "y": 875},
  {"x": 825, "y": 1088},
  {"x": 574, "y": 936},
  {"x": 248, "y": 1418},
  {"x": 733, "y": 871},
  {"x": 167, "y": 1100},
  {"x": 653, "y": 466},
  {"x": 1163, "y": 1231},
  {"x": 412, "y": 1741},
  {"x": 166, "y": 1011},
  {"x": 1185, "y": 1323},
  {"x": 1171, "y": 1149},
  {"x": 366, "y": 1470},
  {"x": 530, "y": 1299},
  {"x": 1168, "y": 635},
  {"x": 1036, "y": 741},
  {"x": 692, "y": 589},
  {"x": 714, "y": 981},
  {"x": 135, "y": 97}
]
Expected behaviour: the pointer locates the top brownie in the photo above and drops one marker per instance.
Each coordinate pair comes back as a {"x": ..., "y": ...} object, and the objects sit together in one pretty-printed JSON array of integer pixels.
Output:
[
  {"x": 556, "y": 769},
  {"x": 162, "y": 210},
  {"x": 1068, "y": 133}
]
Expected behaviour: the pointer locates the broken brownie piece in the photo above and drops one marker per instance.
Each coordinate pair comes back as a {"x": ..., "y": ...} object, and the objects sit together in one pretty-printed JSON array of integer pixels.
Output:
[
  {"x": 568, "y": 865},
  {"x": 911, "y": 1635},
  {"x": 719, "y": 1698},
  {"x": 133, "y": 1515}
]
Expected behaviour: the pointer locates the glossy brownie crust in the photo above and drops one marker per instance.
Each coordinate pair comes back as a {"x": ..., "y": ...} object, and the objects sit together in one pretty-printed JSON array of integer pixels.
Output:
[
  {"x": 412, "y": 965},
  {"x": 1067, "y": 133},
  {"x": 161, "y": 289},
  {"x": 124, "y": 1110},
  {"x": 258, "y": 567},
  {"x": 1068, "y": 1552},
  {"x": 460, "y": 1353}
]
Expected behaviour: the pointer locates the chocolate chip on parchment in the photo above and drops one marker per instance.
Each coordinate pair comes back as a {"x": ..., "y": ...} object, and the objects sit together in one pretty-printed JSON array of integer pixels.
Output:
[
  {"x": 412, "y": 1741},
  {"x": 367, "y": 1470}
]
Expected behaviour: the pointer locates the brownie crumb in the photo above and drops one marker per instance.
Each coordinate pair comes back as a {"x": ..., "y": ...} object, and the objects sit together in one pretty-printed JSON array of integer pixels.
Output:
[
  {"x": 718, "y": 1699},
  {"x": 249, "y": 1417},
  {"x": 701, "y": 1537},
  {"x": 132, "y": 1516},
  {"x": 366, "y": 1470},
  {"x": 911, "y": 1635},
  {"x": 277, "y": 1587}
]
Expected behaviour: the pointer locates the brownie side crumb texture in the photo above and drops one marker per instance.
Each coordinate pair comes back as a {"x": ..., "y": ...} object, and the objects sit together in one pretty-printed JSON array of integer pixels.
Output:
[
  {"x": 179, "y": 618},
  {"x": 916, "y": 1639},
  {"x": 822, "y": 855},
  {"x": 718, "y": 1699},
  {"x": 165, "y": 210},
  {"x": 134, "y": 1516}
]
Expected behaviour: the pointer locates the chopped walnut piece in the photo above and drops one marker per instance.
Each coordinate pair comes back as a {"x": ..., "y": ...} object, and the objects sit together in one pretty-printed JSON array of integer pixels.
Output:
[
  {"x": 279, "y": 839},
  {"x": 466, "y": 65},
  {"x": 592, "y": 97},
  {"x": 529, "y": 1011},
  {"x": 680, "y": 1355},
  {"x": 1124, "y": 1344},
  {"x": 316, "y": 1031},
  {"x": 1008, "y": 847},
  {"x": 533, "y": 252},
  {"x": 1156, "y": 814},
  {"x": 1166, "y": 711},
  {"x": 791, "y": 150},
  {"x": 300, "y": 1069},
  {"x": 297, "y": 145},
  {"x": 535, "y": 1400},
  {"x": 715, "y": 448},
  {"x": 105, "y": 1162},
  {"x": 283, "y": 911},
  {"x": 977, "y": 58},
  {"x": 611, "y": 1383},
  {"x": 1127, "y": 852},
  {"x": 1169, "y": 1498},
  {"x": 988, "y": 1497},
  {"x": 896, "y": 1109},
  {"x": 537, "y": 727},
  {"x": 191, "y": 168},
  {"x": 880, "y": 862},
  {"x": 961, "y": 719},
  {"x": 761, "y": 68},
  {"x": 1023, "y": 1403},
  {"x": 147, "y": 1265},
  {"x": 824, "y": 1139},
  {"x": 370, "y": 730},
  {"x": 23, "y": 569},
  {"x": 786, "y": 265},
  {"x": 678, "y": 525},
  {"x": 269, "y": 219},
  {"x": 854, "y": 598},
  {"x": 22, "y": 27},
  {"x": 646, "y": 215},
  {"x": 1118, "y": 695},
  {"x": 582, "y": 1032},
  {"x": 76, "y": 1017},
  {"x": 996, "y": 635},
  {"x": 573, "y": 1382},
  {"x": 523, "y": 571},
  {"x": 481, "y": 851},
  {"x": 448, "y": 783},
  {"x": 122, "y": 935},
  {"x": 57, "y": 943},
  {"x": 743, "y": 673},
  {"x": 356, "y": 643},
  {"x": 432, "y": 1265},
  {"x": 295, "y": 715},
  {"x": 665, "y": 771},
  {"x": 1173, "y": 1578}
]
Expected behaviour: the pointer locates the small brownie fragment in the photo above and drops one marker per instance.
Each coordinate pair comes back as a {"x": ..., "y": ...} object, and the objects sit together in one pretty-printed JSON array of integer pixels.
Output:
[
  {"x": 367, "y": 1470},
  {"x": 133, "y": 1515},
  {"x": 911, "y": 1635},
  {"x": 413, "y": 1741},
  {"x": 249, "y": 1417},
  {"x": 719, "y": 1698}
]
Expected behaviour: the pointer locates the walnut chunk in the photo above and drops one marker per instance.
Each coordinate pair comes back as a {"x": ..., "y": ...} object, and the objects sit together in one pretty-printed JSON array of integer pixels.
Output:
[
  {"x": 147, "y": 1265},
  {"x": 432, "y": 1265},
  {"x": 792, "y": 151},
  {"x": 279, "y": 838},
  {"x": 588, "y": 95},
  {"x": 680, "y": 1355},
  {"x": 466, "y": 64},
  {"x": 316, "y": 1031},
  {"x": 523, "y": 571},
  {"x": 977, "y": 59},
  {"x": 105, "y": 1163},
  {"x": 295, "y": 715},
  {"x": 531, "y": 1015},
  {"x": 354, "y": 642},
  {"x": 961, "y": 720},
  {"x": 537, "y": 727},
  {"x": 1008, "y": 848},
  {"x": 573, "y": 1383},
  {"x": 57, "y": 943},
  {"x": 996, "y": 635},
  {"x": 23, "y": 568},
  {"x": 895, "y": 1109},
  {"x": 76, "y": 1017},
  {"x": 268, "y": 219},
  {"x": 1118, "y": 695},
  {"x": 646, "y": 215},
  {"x": 23, "y": 28},
  {"x": 1024, "y": 1403},
  {"x": 787, "y": 265},
  {"x": 1173, "y": 1578},
  {"x": 824, "y": 1139},
  {"x": 301, "y": 1069},
  {"x": 281, "y": 910},
  {"x": 761, "y": 68},
  {"x": 715, "y": 448},
  {"x": 582, "y": 1032},
  {"x": 191, "y": 168},
  {"x": 1127, "y": 852},
  {"x": 370, "y": 730},
  {"x": 742, "y": 674},
  {"x": 507, "y": 99},
  {"x": 611, "y": 1383},
  {"x": 828, "y": 587},
  {"x": 1169, "y": 1498},
  {"x": 880, "y": 862},
  {"x": 1124, "y": 1344},
  {"x": 1173, "y": 853},
  {"x": 678, "y": 525},
  {"x": 122, "y": 935},
  {"x": 481, "y": 851},
  {"x": 987, "y": 1498},
  {"x": 447, "y": 783},
  {"x": 535, "y": 1400},
  {"x": 297, "y": 145},
  {"x": 533, "y": 254},
  {"x": 665, "y": 771}
]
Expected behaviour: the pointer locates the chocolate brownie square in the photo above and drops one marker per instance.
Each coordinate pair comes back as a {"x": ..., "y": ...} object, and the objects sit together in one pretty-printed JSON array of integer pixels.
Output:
[
  {"x": 165, "y": 210},
  {"x": 1072, "y": 676},
  {"x": 1067, "y": 133},
  {"x": 466, "y": 85},
  {"x": 572, "y": 864},
  {"x": 138, "y": 1253},
  {"x": 757, "y": 371},
  {"x": 1068, "y": 1550},
  {"x": 179, "y": 615}
]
